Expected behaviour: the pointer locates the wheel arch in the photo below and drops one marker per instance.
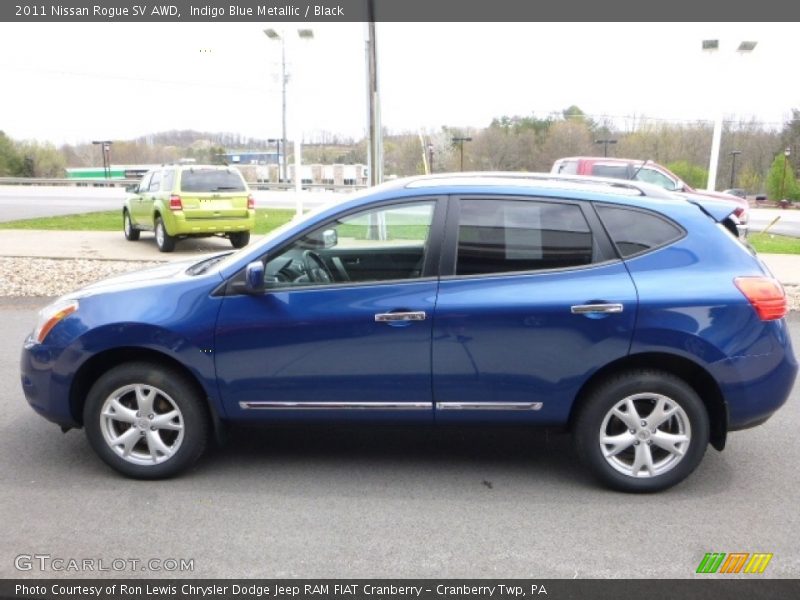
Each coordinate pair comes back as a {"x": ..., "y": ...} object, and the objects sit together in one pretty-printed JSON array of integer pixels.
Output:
[
  {"x": 693, "y": 374},
  {"x": 90, "y": 371}
]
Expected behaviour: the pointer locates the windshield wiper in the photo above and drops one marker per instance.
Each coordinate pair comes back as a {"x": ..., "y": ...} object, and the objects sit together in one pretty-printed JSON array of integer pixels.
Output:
[{"x": 204, "y": 265}]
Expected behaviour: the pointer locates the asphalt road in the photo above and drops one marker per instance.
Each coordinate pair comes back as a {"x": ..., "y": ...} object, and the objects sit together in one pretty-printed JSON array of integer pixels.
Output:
[{"x": 395, "y": 503}]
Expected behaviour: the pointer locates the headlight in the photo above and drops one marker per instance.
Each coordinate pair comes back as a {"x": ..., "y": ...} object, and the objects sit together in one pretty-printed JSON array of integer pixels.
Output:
[{"x": 50, "y": 315}]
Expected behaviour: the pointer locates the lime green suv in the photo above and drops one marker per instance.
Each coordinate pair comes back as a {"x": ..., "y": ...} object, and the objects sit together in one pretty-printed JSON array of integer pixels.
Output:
[{"x": 179, "y": 201}]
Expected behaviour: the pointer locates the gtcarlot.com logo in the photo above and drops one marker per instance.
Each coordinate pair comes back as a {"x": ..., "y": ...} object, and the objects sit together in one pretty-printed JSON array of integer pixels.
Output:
[
  {"x": 47, "y": 562},
  {"x": 735, "y": 562}
]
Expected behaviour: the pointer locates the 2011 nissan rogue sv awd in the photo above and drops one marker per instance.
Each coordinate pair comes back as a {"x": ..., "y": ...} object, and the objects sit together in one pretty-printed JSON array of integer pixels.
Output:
[{"x": 632, "y": 317}]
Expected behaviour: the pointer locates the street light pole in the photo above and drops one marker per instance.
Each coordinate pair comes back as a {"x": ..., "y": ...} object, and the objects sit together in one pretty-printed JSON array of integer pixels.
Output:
[
  {"x": 283, "y": 169},
  {"x": 460, "y": 141},
  {"x": 105, "y": 150},
  {"x": 734, "y": 154},
  {"x": 430, "y": 157},
  {"x": 605, "y": 145},
  {"x": 712, "y": 46},
  {"x": 786, "y": 154}
]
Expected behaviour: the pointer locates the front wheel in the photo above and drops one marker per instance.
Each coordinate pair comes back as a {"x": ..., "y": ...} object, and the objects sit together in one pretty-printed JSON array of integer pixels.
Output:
[
  {"x": 146, "y": 421},
  {"x": 642, "y": 431},
  {"x": 239, "y": 239},
  {"x": 164, "y": 241}
]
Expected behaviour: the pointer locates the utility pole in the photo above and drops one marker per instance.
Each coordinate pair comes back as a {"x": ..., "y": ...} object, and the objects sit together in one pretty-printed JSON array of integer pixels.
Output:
[
  {"x": 460, "y": 141},
  {"x": 734, "y": 154},
  {"x": 605, "y": 143},
  {"x": 375, "y": 154}
]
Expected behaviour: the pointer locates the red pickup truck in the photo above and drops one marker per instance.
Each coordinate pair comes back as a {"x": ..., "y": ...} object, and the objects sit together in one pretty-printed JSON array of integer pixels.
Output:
[{"x": 641, "y": 170}]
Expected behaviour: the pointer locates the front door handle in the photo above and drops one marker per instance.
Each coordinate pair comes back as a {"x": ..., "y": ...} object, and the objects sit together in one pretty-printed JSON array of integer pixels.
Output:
[
  {"x": 587, "y": 309},
  {"x": 394, "y": 317}
]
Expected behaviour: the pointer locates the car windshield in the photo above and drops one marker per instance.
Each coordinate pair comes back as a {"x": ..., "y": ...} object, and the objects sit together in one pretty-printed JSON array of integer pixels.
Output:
[{"x": 211, "y": 180}]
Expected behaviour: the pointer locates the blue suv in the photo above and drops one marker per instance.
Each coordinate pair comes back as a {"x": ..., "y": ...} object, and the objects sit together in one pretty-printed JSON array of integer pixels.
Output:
[{"x": 631, "y": 316}]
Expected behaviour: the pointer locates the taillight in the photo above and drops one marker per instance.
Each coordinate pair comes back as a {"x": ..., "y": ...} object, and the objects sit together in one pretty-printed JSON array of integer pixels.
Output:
[
  {"x": 251, "y": 202},
  {"x": 766, "y": 295},
  {"x": 175, "y": 202}
]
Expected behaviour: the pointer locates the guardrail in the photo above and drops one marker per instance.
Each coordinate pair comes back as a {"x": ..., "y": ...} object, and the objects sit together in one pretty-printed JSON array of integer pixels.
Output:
[{"x": 278, "y": 187}]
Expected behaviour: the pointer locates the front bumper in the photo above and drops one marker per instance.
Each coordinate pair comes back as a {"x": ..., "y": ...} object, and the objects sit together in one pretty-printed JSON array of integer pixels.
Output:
[{"x": 45, "y": 389}]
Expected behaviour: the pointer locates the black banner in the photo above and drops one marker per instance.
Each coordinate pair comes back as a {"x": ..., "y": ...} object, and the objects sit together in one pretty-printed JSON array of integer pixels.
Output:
[
  {"x": 752, "y": 588},
  {"x": 395, "y": 11}
]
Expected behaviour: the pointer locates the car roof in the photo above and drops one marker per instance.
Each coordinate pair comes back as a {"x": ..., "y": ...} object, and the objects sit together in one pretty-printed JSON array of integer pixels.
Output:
[{"x": 533, "y": 182}]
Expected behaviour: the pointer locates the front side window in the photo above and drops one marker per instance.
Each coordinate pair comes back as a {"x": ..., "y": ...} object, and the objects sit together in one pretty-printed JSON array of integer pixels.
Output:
[
  {"x": 382, "y": 244},
  {"x": 656, "y": 178},
  {"x": 497, "y": 236}
]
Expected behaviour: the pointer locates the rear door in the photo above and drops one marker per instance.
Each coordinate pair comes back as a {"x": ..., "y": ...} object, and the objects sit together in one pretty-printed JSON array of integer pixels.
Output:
[
  {"x": 212, "y": 193},
  {"x": 532, "y": 301}
]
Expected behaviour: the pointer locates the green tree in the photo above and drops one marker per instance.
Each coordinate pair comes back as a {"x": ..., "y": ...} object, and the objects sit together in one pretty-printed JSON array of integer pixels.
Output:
[
  {"x": 781, "y": 181},
  {"x": 10, "y": 161},
  {"x": 41, "y": 160},
  {"x": 695, "y": 176}
]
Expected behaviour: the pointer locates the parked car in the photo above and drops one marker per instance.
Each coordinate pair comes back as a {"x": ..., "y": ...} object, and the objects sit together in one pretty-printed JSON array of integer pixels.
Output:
[
  {"x": 647, "y": 171},
  {"x": 738, "y": 192},
  {"x": 631, "y": 317},
  {"x": 180, "y": 201}
]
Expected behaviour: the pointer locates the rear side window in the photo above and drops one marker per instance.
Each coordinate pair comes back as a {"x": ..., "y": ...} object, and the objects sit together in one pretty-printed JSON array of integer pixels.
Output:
[
  {"x": 568, "y": 167},
  {"x": 636, "y": 231},
  {"x": 613, "y": 171},
  {"x": 168, "y": 180},
  {"x": 499, "y": 236},
  {"x": 155, "y": 182},
  {"x": 211, "y": 180}
]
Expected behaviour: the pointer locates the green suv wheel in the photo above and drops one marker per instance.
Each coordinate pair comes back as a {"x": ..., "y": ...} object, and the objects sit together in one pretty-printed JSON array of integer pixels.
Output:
[{"x": 164, "y": 241}]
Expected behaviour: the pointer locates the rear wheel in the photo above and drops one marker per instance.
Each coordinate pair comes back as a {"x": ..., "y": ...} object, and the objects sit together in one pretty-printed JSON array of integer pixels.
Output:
[
  {"x": 146, "y": 421},
  {"x": 642, "y": 431},
  {"x": 164, "y": 241},
  {"x": 131, "y": 233},
  {"x": 239, "y": 239}
]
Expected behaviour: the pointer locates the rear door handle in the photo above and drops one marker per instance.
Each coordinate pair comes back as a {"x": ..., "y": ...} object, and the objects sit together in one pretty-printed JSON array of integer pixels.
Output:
[
  {"x": 393, "y": 317},
  {"x": 586, "y": 309}
]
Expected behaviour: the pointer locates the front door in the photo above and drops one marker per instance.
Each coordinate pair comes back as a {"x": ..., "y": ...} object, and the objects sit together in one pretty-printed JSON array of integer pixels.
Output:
[{"x": 344, "y": 327}]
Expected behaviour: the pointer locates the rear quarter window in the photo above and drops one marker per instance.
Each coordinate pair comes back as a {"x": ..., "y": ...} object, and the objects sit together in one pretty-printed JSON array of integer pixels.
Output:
[
  {"x": 211, "y": 180},
  {"x": 613, "y": 171},
  {"x": 635, "y": 231}
]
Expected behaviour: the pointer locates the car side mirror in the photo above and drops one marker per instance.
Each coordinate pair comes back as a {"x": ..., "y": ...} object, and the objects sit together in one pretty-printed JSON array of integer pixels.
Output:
[
  {"x": 132, "y": 188},
  {"x": 329, "y": 238},
  {"x": 254, "y": 280}
]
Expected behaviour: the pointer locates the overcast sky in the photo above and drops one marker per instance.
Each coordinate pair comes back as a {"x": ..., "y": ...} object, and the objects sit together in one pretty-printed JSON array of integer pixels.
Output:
[{"x": 85, "y": 81}]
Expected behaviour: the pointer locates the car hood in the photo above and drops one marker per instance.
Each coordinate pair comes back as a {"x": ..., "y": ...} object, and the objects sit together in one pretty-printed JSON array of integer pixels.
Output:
[{"x": 144, "y": 278}]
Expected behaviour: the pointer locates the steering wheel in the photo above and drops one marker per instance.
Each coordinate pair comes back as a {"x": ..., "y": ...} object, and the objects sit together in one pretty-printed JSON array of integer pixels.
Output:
[{"x": 315, "y": 267}]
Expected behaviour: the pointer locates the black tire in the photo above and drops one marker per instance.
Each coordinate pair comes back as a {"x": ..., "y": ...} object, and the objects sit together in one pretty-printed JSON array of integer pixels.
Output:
[
  {"x": 622, "y": 463},
  {"x": 146, "y": 446},
  {"x": 164, "y": 241},
  {"x": 131, "y": 233},
  {"x": 240, "y": 239}
]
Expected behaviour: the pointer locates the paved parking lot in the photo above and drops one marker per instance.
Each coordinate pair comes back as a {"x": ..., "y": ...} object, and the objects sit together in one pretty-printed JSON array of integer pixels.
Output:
[{"x": 360, "y": 502}]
